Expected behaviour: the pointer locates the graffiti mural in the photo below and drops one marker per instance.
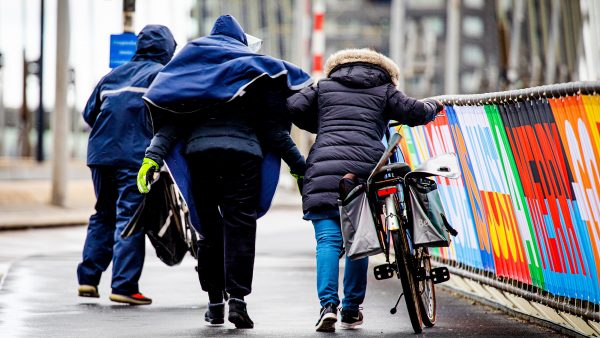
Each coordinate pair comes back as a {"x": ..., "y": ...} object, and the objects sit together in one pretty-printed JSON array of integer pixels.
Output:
[{"x": 527, "y": 207}]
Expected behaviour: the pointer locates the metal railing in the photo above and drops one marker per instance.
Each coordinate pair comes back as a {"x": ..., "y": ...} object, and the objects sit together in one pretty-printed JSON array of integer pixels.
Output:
[{"x": 527, "y": 207}]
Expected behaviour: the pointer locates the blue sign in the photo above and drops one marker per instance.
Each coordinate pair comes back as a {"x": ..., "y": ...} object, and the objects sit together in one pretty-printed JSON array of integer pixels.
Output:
[{"x": 122, "y": 48}]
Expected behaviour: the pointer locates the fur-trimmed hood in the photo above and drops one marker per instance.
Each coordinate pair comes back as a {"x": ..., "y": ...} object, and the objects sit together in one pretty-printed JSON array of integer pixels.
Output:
[{"x": 363, "y": 55}]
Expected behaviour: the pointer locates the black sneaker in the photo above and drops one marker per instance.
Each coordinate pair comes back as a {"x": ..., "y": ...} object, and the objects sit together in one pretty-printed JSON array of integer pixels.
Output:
[
  {"x": 327, "y": 319},
  {"x": 215, "y": 315},
  {"x": 351, "y": 318},
  {"x": 238, "y": 314}
]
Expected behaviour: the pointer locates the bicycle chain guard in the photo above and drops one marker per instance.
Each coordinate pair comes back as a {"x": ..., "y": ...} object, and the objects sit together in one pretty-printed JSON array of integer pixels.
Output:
[{"x": 383, "y": 271}]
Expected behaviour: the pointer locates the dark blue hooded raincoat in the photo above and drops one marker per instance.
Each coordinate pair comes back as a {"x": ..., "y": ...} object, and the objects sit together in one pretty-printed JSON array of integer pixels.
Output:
[
  {"x": 217, "y": 68},
  {"x": 208, "y": 72},
  {"x": 121, "y": 129},
  {"x": 120, "y": 133}
]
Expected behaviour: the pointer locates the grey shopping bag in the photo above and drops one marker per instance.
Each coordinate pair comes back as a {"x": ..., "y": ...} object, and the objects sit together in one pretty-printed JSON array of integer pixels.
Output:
[
  {"x": 358, "y": 226},
  {"x": 430, "y": 227}
]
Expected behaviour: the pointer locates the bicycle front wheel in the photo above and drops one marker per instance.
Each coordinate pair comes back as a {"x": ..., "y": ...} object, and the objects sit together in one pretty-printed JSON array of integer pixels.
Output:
[
  {"x": 406, "y": 273},
  {"x": 426, "y": 289}
]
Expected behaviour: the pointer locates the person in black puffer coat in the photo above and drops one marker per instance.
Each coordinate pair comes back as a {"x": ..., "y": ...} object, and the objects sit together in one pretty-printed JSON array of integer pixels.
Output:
[{"x": 349, "y": 111}]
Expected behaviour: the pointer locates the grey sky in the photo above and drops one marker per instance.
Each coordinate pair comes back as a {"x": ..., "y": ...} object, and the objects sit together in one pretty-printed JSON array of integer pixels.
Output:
[{"x": 92, "y": 22}]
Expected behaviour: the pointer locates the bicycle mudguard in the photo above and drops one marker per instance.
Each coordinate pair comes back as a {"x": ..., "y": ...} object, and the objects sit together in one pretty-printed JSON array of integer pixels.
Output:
[{"x": 445, "y": 165}]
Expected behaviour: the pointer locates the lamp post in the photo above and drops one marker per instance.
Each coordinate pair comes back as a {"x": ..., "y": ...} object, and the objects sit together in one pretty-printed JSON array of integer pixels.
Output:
[
  {"x": 60, "y": 118},
  {"x": 128, "y": 13},
  {"x": 39, "y": 152}
]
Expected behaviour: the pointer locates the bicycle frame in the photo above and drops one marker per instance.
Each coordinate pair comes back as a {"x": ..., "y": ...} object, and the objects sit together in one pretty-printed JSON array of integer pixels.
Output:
[
  {"x": 386, "y": 189},
  {"x": 374, "y": 185}
]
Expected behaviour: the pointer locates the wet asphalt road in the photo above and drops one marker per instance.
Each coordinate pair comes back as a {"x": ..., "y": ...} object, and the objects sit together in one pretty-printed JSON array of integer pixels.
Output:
[{"x": 38, "y": 295}]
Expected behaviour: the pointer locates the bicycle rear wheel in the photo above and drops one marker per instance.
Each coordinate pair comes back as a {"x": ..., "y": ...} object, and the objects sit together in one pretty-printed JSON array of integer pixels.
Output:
[
  {"x": 407, "y": 277},
  {"x": 426, "y": 289}
]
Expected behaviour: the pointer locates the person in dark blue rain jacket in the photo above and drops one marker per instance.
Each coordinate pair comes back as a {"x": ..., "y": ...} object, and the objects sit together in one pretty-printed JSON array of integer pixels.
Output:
[
  {"x": 121, "y": 131},
  {"x": 227, "y": 104}
]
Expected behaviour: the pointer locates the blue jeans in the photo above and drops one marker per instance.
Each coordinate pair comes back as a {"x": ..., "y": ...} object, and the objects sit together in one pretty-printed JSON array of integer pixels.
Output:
[
  {"x": 329, "y": 246},
  {"x": 117, "y": 199}
]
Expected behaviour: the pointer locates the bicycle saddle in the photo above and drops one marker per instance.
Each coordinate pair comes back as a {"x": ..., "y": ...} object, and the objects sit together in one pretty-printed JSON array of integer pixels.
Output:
[{"x": 399, "y": 169}]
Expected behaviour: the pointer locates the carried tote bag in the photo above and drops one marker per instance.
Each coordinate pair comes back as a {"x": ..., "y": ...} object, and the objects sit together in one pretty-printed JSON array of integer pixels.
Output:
[
  {"x": 358, "y": 226},
  {"x": 430, "y": 226}
]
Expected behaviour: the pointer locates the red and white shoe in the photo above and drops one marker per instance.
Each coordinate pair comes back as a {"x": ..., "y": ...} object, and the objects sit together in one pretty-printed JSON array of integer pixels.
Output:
[{"x": 134, "y": 299}]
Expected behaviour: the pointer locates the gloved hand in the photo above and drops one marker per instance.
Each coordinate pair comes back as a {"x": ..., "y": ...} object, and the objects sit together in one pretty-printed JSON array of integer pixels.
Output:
[
  {"x": 435, "y": 104},
  {"x": 439, "y": 106},
  {"x": 145, "y": 176},
  {"x": 299, "y": 181}
]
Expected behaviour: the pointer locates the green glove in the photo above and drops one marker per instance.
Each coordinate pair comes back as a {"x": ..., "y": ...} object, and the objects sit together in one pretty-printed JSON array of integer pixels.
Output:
[
  {"x": 299, "y": 180},
  {"x": 145, "y": 176}
]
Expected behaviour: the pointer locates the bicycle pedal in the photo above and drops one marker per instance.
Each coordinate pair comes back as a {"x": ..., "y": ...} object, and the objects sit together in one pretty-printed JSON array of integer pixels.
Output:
[
  {"x": 439, "y": 275},
  {"x": 383, "y": 271},
  {"x": 421, "y": 274}
]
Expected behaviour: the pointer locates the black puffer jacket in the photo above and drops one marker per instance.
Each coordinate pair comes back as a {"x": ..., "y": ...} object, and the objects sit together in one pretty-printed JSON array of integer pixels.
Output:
[{"x": 349, "y": 111}]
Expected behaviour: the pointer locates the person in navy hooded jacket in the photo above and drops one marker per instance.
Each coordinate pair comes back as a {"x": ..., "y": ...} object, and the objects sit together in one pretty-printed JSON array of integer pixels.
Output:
[
  {"x": 226, "y": 103},
  {"x": 121, "y": 131}
]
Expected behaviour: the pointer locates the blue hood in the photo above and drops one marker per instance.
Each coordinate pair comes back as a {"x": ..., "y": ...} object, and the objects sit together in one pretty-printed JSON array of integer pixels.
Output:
[
  {"x": 227, "y": 25},
  {"x": 156, "y": 43},
  {"x": 215, "y": 69}
]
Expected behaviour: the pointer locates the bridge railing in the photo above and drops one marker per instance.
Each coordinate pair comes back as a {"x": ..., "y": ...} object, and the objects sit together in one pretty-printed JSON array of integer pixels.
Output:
[{"x": 527, "y": 207}]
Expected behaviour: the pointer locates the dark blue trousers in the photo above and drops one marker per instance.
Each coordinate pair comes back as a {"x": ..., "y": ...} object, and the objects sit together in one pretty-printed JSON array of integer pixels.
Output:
[
  {"x": 117, "y": 198},
  {"x": 226, "y": 187}
]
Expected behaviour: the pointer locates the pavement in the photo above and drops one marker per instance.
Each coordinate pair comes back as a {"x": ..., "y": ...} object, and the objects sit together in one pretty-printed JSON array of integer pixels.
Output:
[
  {"x": 38, "y": 295},
  {"x": 37, "y": 276},
  {"x": 26, "y": 188}
]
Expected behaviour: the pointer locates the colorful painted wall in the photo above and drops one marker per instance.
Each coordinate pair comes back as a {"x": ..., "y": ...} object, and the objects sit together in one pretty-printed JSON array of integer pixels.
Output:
[{"x": 527, "y": 206}]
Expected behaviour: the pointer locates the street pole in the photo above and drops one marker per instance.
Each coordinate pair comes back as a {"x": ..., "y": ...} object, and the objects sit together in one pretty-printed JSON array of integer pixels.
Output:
[
  {"x": 300, "y": 34},
  {"x": 452, "y": 47},
  {"x": 39, "y": 153},
  {"x": 128, "y": 12},
  {"x": 515, "y": 44},
  {"x": 300, "y": 53},
  {"x": 397, "y": 37},
  {"x": 2, "y": 113},
  {"x": 60, "y": 118},
  {"x": 318, "y": 39},
  {"x": 550, "y": 74},
  {"x": 25, "y": 124},
  {"x": 317, "y": 47}
]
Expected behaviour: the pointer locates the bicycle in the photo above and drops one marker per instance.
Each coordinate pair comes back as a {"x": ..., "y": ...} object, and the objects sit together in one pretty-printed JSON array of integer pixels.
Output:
[{"x": 387, "y": 188}]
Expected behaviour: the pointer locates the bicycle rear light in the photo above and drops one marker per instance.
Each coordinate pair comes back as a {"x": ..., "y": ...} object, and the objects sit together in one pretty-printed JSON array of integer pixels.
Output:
[{"x": 387, "y": 191}]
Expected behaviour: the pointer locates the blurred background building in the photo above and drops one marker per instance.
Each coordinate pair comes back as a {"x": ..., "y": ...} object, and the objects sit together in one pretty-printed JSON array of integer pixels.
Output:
[{"x": 442, "y": 46}]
